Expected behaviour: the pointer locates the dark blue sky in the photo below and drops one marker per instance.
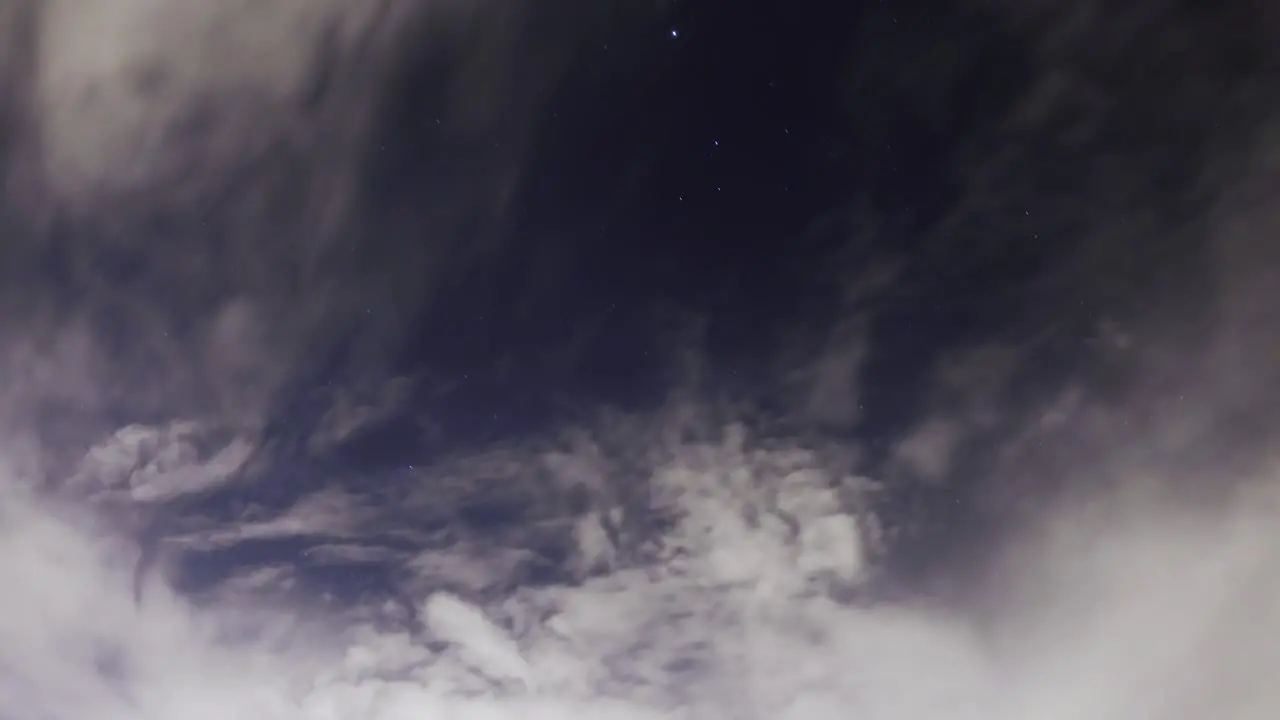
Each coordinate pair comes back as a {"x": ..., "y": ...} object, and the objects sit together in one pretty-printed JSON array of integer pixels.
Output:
[{"x": 722, "y": 177}]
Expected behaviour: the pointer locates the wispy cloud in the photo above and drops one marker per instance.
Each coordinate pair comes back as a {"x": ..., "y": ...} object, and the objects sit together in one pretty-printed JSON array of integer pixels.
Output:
[{"x": 699, "y": 568}]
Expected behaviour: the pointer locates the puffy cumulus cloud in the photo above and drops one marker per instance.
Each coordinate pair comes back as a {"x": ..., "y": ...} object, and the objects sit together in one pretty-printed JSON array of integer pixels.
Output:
[
  {"x": 654, "y": 636},
  {"x": 1132, "y": 605},
  {"x": 77, "y": 642},
  {"x": 157, "y": 464}
]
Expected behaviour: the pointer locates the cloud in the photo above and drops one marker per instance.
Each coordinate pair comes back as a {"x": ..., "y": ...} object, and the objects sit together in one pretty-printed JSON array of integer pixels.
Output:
[
  {"x": 1134, "y": 604},
  {"x": 1092, "y": 290},
  {"x": 158, "y": 464},
  {"x": 656, "y": 566},
  {"x": 201, "y": 201}
]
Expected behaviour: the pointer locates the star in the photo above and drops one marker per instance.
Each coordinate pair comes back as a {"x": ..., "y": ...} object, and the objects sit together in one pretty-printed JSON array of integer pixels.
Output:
[{"x": 675, "y": 33}]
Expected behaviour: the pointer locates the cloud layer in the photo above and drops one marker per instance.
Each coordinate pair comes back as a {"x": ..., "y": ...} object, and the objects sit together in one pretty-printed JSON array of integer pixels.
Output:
[{"x": 1132, "y": 606}]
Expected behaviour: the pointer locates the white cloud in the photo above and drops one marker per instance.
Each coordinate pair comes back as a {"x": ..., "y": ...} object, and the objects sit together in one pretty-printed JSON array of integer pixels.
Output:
[
  {"x": 926, "y": 451},
  {"x": 117, "y": 79},
  {"x": 1141, "y": 610}
]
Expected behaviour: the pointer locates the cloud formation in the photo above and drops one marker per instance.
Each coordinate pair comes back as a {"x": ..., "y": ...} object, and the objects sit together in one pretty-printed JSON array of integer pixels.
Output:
[
  {"x": 200, "y": 204},
  {"x": 1134, "y": 605},
  {"x": 694, "y": 562}
]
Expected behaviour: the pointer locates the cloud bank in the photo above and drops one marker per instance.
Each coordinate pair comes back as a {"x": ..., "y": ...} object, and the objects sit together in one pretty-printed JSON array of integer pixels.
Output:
[{"x": 1132, "y": 607}]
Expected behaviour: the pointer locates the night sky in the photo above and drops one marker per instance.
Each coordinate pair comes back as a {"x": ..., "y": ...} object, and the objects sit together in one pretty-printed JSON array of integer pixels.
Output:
[
  {"x": 859, "y": 354},
  {"x": 715, "y": 182},
  {"x": 709, "y": 168},
  {"x": 910, "y": 231}
]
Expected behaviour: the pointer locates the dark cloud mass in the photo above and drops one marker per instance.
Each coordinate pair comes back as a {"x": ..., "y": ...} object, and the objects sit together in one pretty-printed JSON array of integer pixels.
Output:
[{"x": 399, "y": 358}]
